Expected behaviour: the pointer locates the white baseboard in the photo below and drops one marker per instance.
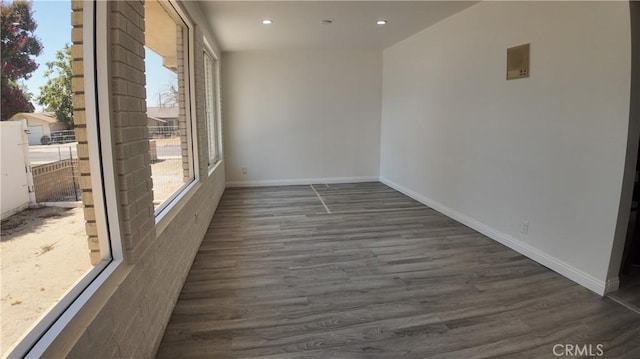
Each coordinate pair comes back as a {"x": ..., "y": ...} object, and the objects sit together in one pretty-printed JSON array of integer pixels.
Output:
[
  {"x": 301, "y": 181},
  {"x": 584, "y": 279}
]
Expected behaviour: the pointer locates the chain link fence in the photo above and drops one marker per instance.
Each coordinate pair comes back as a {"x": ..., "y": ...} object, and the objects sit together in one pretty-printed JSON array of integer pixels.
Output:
[
  {"x": 64, "y": 136},
  {"x": 57, "y": 181},
  {"x": 156, "y": 132}
]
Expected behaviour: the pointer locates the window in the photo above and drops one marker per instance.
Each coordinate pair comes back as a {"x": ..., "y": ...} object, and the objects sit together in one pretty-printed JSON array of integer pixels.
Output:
[
  {"x": 56, "y": 238},
  {"x": 169, "y": 122},
  {"x": 211, "y": 108}
]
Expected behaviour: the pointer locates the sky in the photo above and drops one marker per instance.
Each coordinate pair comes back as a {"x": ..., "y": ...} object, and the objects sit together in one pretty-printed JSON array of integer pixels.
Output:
[{"x": 54, "y": 31}]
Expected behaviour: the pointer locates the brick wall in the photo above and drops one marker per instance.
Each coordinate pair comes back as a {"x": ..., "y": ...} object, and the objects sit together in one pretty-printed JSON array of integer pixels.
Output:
[
  {"x": 56, "y": 182},
  {"x": 80, "y": 128},
  {"x": 128, "y": 315},
  {"x": 129, "y": 126},
  {"x": 183, "y": 128}
]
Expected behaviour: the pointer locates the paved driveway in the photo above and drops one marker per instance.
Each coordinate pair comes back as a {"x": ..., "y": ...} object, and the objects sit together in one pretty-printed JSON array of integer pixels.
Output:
[{"x": 42, "y": 154}]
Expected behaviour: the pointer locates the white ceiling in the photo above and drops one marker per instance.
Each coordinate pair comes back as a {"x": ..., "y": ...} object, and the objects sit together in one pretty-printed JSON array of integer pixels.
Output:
[{"x": 296, "y": 24}]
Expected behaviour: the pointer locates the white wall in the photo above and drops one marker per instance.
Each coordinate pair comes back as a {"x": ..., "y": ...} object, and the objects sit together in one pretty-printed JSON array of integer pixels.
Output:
[
  {"x": 301, "y": 116},
  {"x": 14, "y": 179},
  {"x": 491, "y": 153}
]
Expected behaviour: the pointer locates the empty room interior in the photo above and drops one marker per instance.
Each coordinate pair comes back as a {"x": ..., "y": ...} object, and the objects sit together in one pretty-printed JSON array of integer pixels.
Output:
[{"x": 350, "y": 179}]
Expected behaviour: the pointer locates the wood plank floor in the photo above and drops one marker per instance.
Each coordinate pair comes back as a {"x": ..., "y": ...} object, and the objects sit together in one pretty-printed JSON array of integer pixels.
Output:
[
  {"x": 629, "y": 292},
  {"x": 380, "y": 276}
]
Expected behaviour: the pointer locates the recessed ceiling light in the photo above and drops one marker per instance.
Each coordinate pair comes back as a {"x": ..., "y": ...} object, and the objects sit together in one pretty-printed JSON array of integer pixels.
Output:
[
  {"x": 381, "y": 22},
  {"x": 267, "y": 22},
  {"x": 326, "y": 22}
]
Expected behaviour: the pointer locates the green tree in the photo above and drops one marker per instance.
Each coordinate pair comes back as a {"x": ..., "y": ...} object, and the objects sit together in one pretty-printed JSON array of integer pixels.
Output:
[
  {"x": 57, "y": 95},
  {"x": 19, "y": 46}
]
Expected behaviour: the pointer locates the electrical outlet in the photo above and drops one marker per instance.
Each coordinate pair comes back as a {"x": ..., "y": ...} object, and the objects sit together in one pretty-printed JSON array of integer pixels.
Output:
[
  {"x": 244, "y": 170},
  {"x": 525, "y": 227}
]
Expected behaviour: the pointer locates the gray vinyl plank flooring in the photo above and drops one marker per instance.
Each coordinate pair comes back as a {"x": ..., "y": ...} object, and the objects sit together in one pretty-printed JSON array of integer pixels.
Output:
[
  {"x": 363, "y": 197},
  {"x": 629, "y": 292},
  {"x": 380, "y": 276}
]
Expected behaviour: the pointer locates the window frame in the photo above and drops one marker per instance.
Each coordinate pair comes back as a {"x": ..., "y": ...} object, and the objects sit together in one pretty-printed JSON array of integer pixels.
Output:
[
  {"x": 167, "y": 207},
  {"x": 43, "y": 333},
  {"x": 212, "y": 121},
  {"x": 208, "y": 49}
]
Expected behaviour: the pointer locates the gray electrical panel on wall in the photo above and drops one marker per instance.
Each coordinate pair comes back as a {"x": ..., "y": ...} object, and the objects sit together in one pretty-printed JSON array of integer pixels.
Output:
[{"x": 518, "y": 62}]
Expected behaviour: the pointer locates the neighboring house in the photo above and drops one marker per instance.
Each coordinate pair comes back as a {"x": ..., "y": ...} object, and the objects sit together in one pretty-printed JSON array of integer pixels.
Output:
[
  {"x": 162, "y": 116},
  {"x": 40, "y": 124}
]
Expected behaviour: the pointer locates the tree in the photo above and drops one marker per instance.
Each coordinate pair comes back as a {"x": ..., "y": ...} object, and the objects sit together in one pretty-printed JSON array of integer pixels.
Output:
[
  {"x": 15, "y": 98},
  {"x": 19, "y": 46},
  {"x": 57, "y": 94},
  {"x": 169, "y": 96}
]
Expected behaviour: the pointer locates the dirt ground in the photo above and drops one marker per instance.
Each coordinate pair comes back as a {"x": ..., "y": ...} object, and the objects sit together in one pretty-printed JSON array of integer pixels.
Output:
[{"x": 44, "y": 253}]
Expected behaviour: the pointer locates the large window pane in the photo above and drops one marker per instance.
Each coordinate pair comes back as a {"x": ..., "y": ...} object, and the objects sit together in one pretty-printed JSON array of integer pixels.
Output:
[
  {"x": 210, "y": 107},
  {"x": 54, "y": 239},
  {"x": 168, "y": 118}
]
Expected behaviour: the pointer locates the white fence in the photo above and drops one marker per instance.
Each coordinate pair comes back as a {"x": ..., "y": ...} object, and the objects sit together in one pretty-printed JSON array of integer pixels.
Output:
[{"x": 16, "y": 180}]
